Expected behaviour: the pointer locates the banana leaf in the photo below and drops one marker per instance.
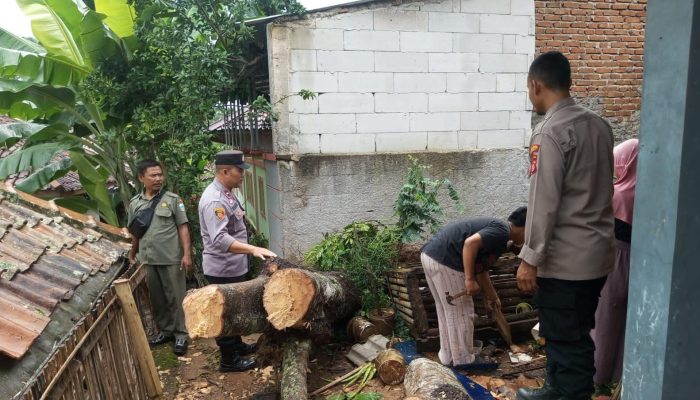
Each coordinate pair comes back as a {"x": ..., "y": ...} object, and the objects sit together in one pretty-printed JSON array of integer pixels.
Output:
[
  {"x": 56, "y": 25},
  {"x": 120, "y": 16},
  {"x": 15, "y": 131},
  {"x": 98, "y": 192},
  {"x": 41, "y": 177},
  {"x": 98, "y": 41},
  {"x": 89, "y": 167},
  {"x": 79, "y": 204},
  {"x": 33, "y": 157},
  {"x": 28, "y": 101},
  {"x": 27, "y": 61}
]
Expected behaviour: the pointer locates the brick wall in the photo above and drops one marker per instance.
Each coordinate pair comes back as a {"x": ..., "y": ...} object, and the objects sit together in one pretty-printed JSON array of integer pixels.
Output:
[
  {"x": 433, "y": 75},
  {"x": 604, "y": 40}
]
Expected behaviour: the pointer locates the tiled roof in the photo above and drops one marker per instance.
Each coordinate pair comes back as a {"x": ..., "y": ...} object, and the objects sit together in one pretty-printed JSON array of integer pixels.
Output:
[{"x": 46, "y": 253}]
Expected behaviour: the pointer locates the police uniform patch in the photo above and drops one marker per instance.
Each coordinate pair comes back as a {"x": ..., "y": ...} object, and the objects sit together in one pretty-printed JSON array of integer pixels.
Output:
[
  {"x": 534, "y": 152},
  {"x": 220, "y": 213},
  {"x": 164, "y": 204},
  {"x": 181, "y": 206}
]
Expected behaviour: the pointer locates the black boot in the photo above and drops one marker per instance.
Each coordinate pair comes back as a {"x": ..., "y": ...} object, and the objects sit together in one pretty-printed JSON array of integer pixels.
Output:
[
  {"x": 160, "y": 339},
  {"x": 546, "y": 392},
  {"x": 245, "y": 349},
  {"x": 231, "y": 361}
]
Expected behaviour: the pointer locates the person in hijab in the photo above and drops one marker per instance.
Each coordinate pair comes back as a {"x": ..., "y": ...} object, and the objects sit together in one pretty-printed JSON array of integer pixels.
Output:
[{"x": 611, "y": 315}]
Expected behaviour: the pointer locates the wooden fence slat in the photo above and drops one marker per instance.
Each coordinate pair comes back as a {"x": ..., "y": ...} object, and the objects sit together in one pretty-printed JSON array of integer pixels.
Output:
[{"x": 138, "y": 337}]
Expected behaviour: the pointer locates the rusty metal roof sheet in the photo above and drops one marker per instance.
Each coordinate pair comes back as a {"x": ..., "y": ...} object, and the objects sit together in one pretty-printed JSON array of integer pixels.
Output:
[{"x": 46, "y": 253}]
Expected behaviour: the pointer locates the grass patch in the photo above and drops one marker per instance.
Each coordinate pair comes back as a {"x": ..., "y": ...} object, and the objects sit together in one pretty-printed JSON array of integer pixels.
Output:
[{"x": 164, "y": 357}]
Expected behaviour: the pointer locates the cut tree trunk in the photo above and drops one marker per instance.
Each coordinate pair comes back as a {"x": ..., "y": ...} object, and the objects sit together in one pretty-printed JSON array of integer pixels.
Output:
[
  {"x": 311, "y": 300},
  {"x": 427, "y": 379},
  {"x": 294, "y": 365},
  {"x": 229, "y": 309},
  {"x": 226, "y": 310},
  {"x": 391, "y": 367}
]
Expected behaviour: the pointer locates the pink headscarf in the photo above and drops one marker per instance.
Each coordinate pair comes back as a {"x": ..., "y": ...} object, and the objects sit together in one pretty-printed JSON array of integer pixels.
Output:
[{"x": 626, "y": 172}]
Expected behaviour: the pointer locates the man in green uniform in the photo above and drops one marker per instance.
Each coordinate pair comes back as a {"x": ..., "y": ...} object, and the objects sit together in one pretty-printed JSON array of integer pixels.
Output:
[{"x": 165, "y": 250}]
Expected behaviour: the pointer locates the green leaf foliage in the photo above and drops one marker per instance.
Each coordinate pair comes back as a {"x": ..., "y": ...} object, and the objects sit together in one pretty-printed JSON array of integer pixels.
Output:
[
  {"x": 98, "y": 41},
  {"x": 80, "y": 204},
  {"x": 417, "y": 206},
  {"x": 29, "y": 101},
  {"x": 365, "y": 251},
  {"x": 44, "y": 175},
  {"x": 15, "y": 131},
  {"x": 28, "y": 61},
  {"x": 34, "y": 158},
  {"x": 120, "y": 16},
  {"x": 56, "y": 25},
  {"x": 117, "y": 81},
  {"x": 98, "y": 191}
]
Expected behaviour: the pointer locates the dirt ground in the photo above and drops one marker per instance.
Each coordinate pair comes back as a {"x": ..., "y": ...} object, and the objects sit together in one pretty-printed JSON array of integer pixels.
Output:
[{"x": 195, "y": 376}]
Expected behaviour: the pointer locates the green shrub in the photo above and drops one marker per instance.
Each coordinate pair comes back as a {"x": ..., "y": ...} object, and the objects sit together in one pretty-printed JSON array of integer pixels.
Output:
[{"x": 365, "y": 250}]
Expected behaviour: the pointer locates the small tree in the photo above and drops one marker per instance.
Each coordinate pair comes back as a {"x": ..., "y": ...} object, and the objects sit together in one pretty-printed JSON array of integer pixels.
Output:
[{"x": 417, "y": 206}]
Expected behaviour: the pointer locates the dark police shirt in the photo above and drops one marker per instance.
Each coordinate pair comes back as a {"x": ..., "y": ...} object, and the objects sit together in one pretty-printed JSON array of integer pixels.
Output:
[{"x": 446, "y": 246}]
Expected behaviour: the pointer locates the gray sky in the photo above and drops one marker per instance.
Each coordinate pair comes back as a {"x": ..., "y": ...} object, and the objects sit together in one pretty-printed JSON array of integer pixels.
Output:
[{"x": 13, "y": 20}]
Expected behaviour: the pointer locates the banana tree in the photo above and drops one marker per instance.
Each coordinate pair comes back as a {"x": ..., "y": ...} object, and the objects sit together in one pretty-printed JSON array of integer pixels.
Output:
[{"x": 61, "y": 127}]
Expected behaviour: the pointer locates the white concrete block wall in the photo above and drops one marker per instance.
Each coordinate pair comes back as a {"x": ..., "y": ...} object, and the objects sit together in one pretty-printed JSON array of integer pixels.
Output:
[{"x": 427, "y": 75}]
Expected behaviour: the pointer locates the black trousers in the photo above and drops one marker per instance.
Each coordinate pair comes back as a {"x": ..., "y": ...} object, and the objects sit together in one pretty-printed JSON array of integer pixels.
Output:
[
  {"x": 228, "y": 345},
  {"x": 567, "y": 315}
]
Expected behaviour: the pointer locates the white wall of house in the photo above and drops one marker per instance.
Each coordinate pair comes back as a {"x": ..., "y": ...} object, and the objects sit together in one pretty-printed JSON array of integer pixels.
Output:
[{"x": 432, "y": 76}]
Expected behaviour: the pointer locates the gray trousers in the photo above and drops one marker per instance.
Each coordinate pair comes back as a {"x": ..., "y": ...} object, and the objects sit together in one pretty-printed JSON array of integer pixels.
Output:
[{"x": 166, "y": 287}]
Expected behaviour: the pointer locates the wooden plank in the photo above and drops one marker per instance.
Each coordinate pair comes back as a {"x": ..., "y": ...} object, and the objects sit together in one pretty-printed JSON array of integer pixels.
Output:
[
  {"x": 420, "y": 324},
  {"x": 397, "y": 281},
  {"x": 403, "y": 303},
  {"x": 405, "y": 317},
  {"x": 538, "y": 363},
  {"x": 138, "y": 337},
  {"x": 400, "y": 289},
  {"x": 502, "y": 325},
  {"x": 405, "y": 310},
  {"x": 398, "y": 295}
]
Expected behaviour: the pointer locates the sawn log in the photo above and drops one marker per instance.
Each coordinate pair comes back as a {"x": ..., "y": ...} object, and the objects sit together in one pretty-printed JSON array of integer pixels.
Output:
[
  {"x": 310, "y": 300},
  {"x": 427, "y": 379},
  {"x": 226, "y": 310}
]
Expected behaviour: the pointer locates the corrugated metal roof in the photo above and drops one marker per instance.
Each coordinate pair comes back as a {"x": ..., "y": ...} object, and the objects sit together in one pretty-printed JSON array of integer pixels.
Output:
[{"x": 45, "y": 254}]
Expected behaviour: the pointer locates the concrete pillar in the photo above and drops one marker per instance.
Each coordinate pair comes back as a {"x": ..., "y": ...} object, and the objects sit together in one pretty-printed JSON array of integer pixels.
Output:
[{"x": 662, "y": 345}]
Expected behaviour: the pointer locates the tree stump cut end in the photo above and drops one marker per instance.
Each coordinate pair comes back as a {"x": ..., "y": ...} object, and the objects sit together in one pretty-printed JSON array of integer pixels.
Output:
[
  {"x": 204, "y": 309},
  {"x": 287, "y": 298}
]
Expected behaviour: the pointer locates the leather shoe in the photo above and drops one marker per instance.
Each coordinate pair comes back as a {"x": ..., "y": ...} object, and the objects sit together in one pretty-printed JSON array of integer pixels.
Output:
[
  {"x": 245, "y": 349},
  {"x": 236, "y": 364},
  {"x": 160, "y": 339},
  {"x": 544, "y": 393},
  {"x": 180, "y": 347}
]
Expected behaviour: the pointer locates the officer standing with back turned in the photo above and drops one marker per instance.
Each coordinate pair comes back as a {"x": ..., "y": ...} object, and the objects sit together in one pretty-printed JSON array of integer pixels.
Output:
[{"x": 226, "y": 248}]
